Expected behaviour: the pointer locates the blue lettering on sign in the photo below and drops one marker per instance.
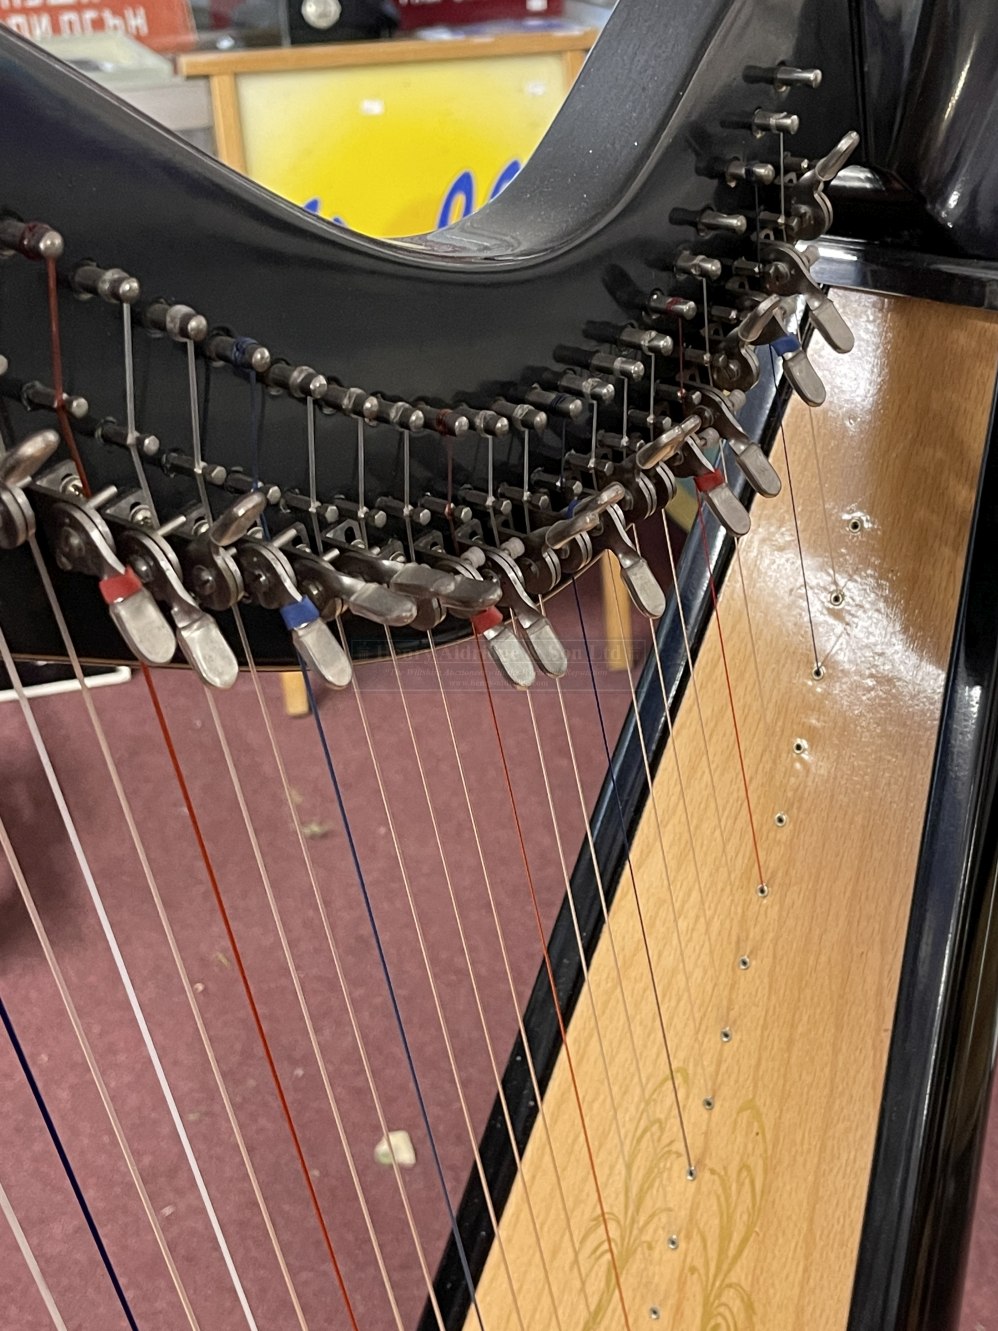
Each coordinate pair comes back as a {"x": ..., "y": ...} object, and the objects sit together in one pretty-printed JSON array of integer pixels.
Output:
[
  {"x": 462, "y": 188},
  {"x": 505, "y": 176}
]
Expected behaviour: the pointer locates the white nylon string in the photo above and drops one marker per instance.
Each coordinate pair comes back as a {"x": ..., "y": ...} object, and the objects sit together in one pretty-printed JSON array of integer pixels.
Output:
[
  {"x": 303, "y": 1004},
  {"x": 474, "y": 985},
  {"x": 442, "y": 1021},
  {"x": 154, "y": 892},
  {"x": 133, "y": 448},
  {"x": 88, "y": 1054},
  {"x": 337, "y": 963},
  {"x": 528, "y": 1056},
  {"x": 126, "y": 980},
  {"x": 30, "y": 1261}
]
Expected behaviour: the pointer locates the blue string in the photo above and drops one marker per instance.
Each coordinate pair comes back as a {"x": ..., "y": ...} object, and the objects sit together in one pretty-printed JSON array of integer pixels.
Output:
[
  {"x": 383, "y": 960},
  {"x": 64, "y": 1159}
]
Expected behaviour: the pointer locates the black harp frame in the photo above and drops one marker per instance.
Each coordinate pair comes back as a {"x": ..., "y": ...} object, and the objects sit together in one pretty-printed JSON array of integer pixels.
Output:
[{"x": 934, "y": 1108}]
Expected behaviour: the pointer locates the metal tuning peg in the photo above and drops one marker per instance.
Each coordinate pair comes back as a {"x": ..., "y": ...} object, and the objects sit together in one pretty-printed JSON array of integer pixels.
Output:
[
  {"x": 541, "y": 640},
  {"x": 809, "y": 206},
  {"x": 786, "y": 272},
  {"x": 719, "y": 413},
  {"x": 17, "y": 466},
  {"x": 82, "y": 543},
  {"x": 270, "y": 582},
  {"x": 635, "y": 572},
  {"x": 688, "y": 264},
  {"x": 783, "y": 77},
  {"x": 708, "y": 221},
  {"x": 692, "y": 463},
  {"x": 585, "y": 515},
  {"x": 210, "y": 569}
]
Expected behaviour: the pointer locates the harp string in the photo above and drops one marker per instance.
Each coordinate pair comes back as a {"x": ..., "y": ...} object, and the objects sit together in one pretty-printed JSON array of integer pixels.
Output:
[
  {"x": 552, "y": 983},
  {"x": 639, "y": 911},
  {"x": 392, "y": 995},
  {"x": 674, "y": 746},
  {"x": 730, "y": 692},
  {"x": 653, "y": 1127},
  {"x": 335, "y": 955},
  {"x": 212, "y": 879},
  {"x": 64, "y": 1160},
  {"x": 302, "y": 1003},
  {"x": 480, "y": 1011},
  {"x": 688, "y": 651},
  {"x": 604, "y": 905},
  {"x": 660, "y": 837},
  {"x": 577, "y": 931},
  {"x": 247, "y": 989},
  {"x": 30, "y": 1261},
  {"x": 133, "y": 448},
  {"x": 88, "y": 1054},
  {"x": 525, "y": 1043},
  {"x": 816, "y": 452},
  {"x": 424, "y": 954},
  {"x": 126, "y": 980},
  {"x": 171, "y": 939}
]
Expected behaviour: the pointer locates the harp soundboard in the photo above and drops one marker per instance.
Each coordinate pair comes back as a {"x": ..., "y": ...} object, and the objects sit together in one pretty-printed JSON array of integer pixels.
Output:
[{"x": 509, "y": 991}]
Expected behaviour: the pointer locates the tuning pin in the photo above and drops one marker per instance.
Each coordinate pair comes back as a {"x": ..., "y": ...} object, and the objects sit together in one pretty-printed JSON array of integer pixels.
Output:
[
  {"x": 783, "y": 77},
  {"x": 109, "y": 431},
  {"x": 241, "y": 352},
  {"x": 688, "y": 264},
  {"x": 350, "y": 401},
  {"x": 35, "y": 394},
  {"x": 179, "y": 322},
  {"x": 111, "y": 284},
  {"x": 590, "y": 387},
  {"x": 17, "y": 466},
  {"x": 445, "y": 420},
  {"x": 556, "y": 404},
  {"x": 708, "y": 221},
  {"x": 660, "y": 302},
  {"x": 489, "y": 424},
  {"x": 402, "y": 415},
  {"x": 630, "y": 335},
  {"x": 521, "y": 415},
  {"x": 35, "y": 240},
  {"x": 299, "y": 381},
  {"x": 736, "y": 171},
  {"x": 772, "y": 122},
  {"x": 604, "y": 362},
  {"x": 459, "y": 513}
]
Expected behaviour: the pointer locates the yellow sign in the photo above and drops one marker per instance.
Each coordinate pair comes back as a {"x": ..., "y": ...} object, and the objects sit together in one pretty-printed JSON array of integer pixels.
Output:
[{"x": 398, "y": 150}]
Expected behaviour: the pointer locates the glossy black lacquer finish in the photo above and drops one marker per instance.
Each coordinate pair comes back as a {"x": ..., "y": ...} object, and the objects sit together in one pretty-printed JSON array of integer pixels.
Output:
[
  {"x": 583, "y": 233},
  {"x": 936, "y": 1094}
]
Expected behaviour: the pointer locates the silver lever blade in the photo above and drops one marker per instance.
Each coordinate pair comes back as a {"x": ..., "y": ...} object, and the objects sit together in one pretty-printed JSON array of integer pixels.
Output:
[
  {"x": 635, "y": 572},
  {"x": 17, "y": 466}
]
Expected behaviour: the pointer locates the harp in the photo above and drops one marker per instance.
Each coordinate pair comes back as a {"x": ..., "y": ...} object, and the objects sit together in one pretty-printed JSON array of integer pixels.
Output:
[{"x": 727, "y": 1064}]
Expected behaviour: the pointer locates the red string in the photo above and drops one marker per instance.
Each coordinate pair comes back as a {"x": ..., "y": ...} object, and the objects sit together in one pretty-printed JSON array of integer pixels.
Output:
[
  {"x": 554, "y": 988},
  {"x": 62, "y": 415},
  {"x": 193, "y": 818},
  {"x": 731, "y": 696},
  {"x": 237, "y": 956}
]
